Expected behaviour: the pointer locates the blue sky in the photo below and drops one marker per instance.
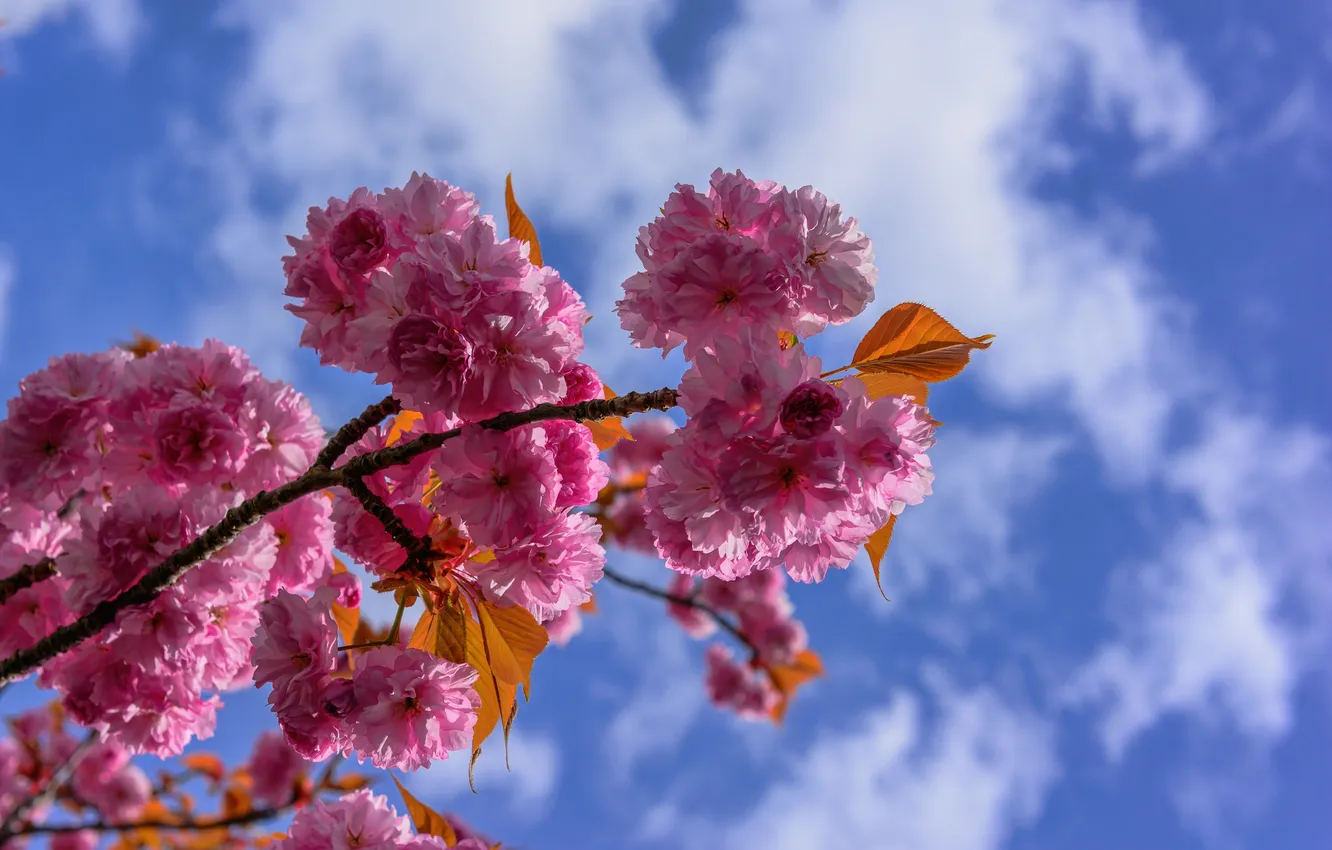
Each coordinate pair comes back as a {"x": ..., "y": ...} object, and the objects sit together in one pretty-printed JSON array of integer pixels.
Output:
[{"x": 1110, "y": 625}]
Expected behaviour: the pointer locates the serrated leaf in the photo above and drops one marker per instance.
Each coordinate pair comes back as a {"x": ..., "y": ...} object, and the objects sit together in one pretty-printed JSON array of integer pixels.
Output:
[
  {"x": 876, "y": 546},
  {"x": 912, "y": 339},
  {"x": 520, "y": 226},
  {"x": 503, "y": 662},
  {"x": 426, "y": 820}
]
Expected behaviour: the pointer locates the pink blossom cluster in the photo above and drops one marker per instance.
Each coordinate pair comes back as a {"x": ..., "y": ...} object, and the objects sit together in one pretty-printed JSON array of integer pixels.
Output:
[
  {"x": 364, "y": 820},
  {"x": 108, "y": 464},
  {"x": 759, "y": 607},
  {"x": 278, "y": 774},
  {"x": 511, "y": 493},
  {"x": 104, "y": 779},
  {"x": 400, "y": 707},
  {"x": 744, "y": 254},
  {"x": 777, "y": 466},
  {"x": 413, "y": 286}
]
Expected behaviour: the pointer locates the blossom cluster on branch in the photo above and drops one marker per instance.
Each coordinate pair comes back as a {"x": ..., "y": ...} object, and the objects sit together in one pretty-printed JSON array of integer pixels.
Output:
[{"x": 183, "y": 510}]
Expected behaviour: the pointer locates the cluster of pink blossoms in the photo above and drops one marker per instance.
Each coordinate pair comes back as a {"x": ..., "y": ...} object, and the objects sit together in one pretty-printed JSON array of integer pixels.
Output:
[
  {"x": 104, "y": 780},
  {"x": 775, "y": 465},
  {"x": 399, "y": 708},
  {"x": 764, "y": 616},
  {"x": 108, "y": 464},
  {"x": 363, "y": 820},
  {"x": 412, "y": 285}
]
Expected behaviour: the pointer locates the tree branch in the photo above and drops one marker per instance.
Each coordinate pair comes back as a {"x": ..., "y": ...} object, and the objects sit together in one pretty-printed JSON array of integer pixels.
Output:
[
  {"x": 181, "y": 825},
  {"x": 26, "y": 576},
  {"x": 415, "y": 546},
  {"x": 687, "y": 601},
  {"x": 59, "y": 777},
  {"x": 266, "y": 502},
  {"x": 355, "y": 430}
]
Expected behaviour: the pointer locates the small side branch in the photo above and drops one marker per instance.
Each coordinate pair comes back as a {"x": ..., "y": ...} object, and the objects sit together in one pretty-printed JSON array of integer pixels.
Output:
[
  {"x": 356, "y": 429},
  {"x": 686, "y": 601},
  {"x": 26, "y": 576},
  {"x": 59, "y": 778}
]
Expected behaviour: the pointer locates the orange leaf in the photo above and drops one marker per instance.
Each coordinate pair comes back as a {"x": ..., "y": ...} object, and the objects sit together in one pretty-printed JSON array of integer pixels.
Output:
[
  {"x": 607, "y": 432},
  {"x": 520, "y": 227},
  {"x": 877, "y": 546},
  {"x": 786, "y": 678},
  {"x": 236, "y": 801},
  {"x": 503, "y": 661},
  {"x": 401, "y": 424},
  {"x": 426, "y": 820},
  {"x": 912, "y": 339},
  {"x": 523, "y": 635},
  {"x": 205, "y": 764},
  {"x": 590, "y": 606},
  {"x": 347, "y": 619},
  {"x": 880, "y": 384},
  {"x": 350, "y": 782}
]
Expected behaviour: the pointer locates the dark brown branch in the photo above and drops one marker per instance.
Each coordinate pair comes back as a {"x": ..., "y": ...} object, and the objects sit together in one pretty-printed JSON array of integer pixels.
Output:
[
  {"x": 355, "y": 430},
  {"x": 416, "y": 547},
  {"x": 26, "y": 576},
  {"x": 317, "y": 478},
  {"x": 687, "y": 601},
  {"x": 181, "y": 825},
  {"x": 59, "y": 777}
]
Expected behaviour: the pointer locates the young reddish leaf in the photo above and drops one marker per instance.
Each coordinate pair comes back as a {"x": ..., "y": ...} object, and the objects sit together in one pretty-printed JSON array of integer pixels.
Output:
[
  {"x": 401, "y": 423},
  {"x": 880, "y": 384},
  {"x": 877, "y": 546},
  {"x": 205, "y": 764},
  {"x": 607, "y": 432},
  {"x": 520, "y": 227},
  {"x": 787, "y": 678},
  {"x": 525, "y": 637},
  {"x": 912, "y": 339},
  {"x": 426, "y": 820}
]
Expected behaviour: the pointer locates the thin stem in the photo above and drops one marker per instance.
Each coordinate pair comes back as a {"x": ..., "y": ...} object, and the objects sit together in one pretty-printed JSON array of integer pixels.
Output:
[
  {"x": 266, "y": 502},
  {"x": 687, "y": 601},
  {"x": 356, "y": 429},
  {"x": 59, "y": 777},
  {"x": 397, "y": 623}
]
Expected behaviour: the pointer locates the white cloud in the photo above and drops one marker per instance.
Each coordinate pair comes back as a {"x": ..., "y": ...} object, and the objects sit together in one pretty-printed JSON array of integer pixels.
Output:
[
  {"x": 529, "y": 785},
  {"x": 1222, "y": 623},
  {"x": 894, "y": 781},
  {"x": 113, "y": 24}
]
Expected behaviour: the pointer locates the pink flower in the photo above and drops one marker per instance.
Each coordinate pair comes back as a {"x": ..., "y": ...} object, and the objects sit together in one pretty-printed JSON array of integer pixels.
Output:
[
  {"x": 196, "y": 443},
  {"x": 810, "y": 409},
  {"x": 695, "y": 622},
  {"x": 295, "y": 647},
  {"x": 304, "y": 531},
  {"x": 886, "y": 443},
  {"x": 275, "y": 768},
  {"x": 564, "y": 626},
  {"x": 361, "y": 820},
  {"x": 770, "y": 627},
  {"x": 412, "y": 707},
  {"x": 651, "y": 437},
  {"x": 426, "y": 206},
  {"x": 359, "y": 242},
  {"x": 832, "y": 273},
  {"x": 83, "y": 839},
  {"x": 581, "y": 383},
  {"x": 429, "y": 362},
  {"x": 746, "y": 692},
  {"x": 497, "y": 485},
  {"x": 581, "y": 471},
  {"x": 287, "y": 435},
  {"x": 105, "y": 779},
  {"x": 518, "y": 356},
  {"x": 549, "y": 569}
]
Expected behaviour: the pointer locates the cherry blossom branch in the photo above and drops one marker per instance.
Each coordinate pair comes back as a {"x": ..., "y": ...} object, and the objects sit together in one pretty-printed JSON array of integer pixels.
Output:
[
  {"x": 317, "y": 478},
  {"x": 26, "y": 576},
  {"x": 59, "y": 777},
  {"x": 355, "y": 430},
  {"x": 181, "y": 825},
  {"x": 687, "y": 601},
  {"x": 416, "y": 547}
]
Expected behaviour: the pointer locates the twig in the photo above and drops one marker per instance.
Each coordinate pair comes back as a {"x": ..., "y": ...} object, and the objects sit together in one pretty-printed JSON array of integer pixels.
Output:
[
  {"x": 182, "y": 825},
  {"x": 355, "y": 430},
  {"x": 415, "y": 546},
  {"x": 687, "y": 601},
  {"x": 317, "y": 478},
  {"x": 59, "y": 777},
  {"x": 26, "y": 576}
]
